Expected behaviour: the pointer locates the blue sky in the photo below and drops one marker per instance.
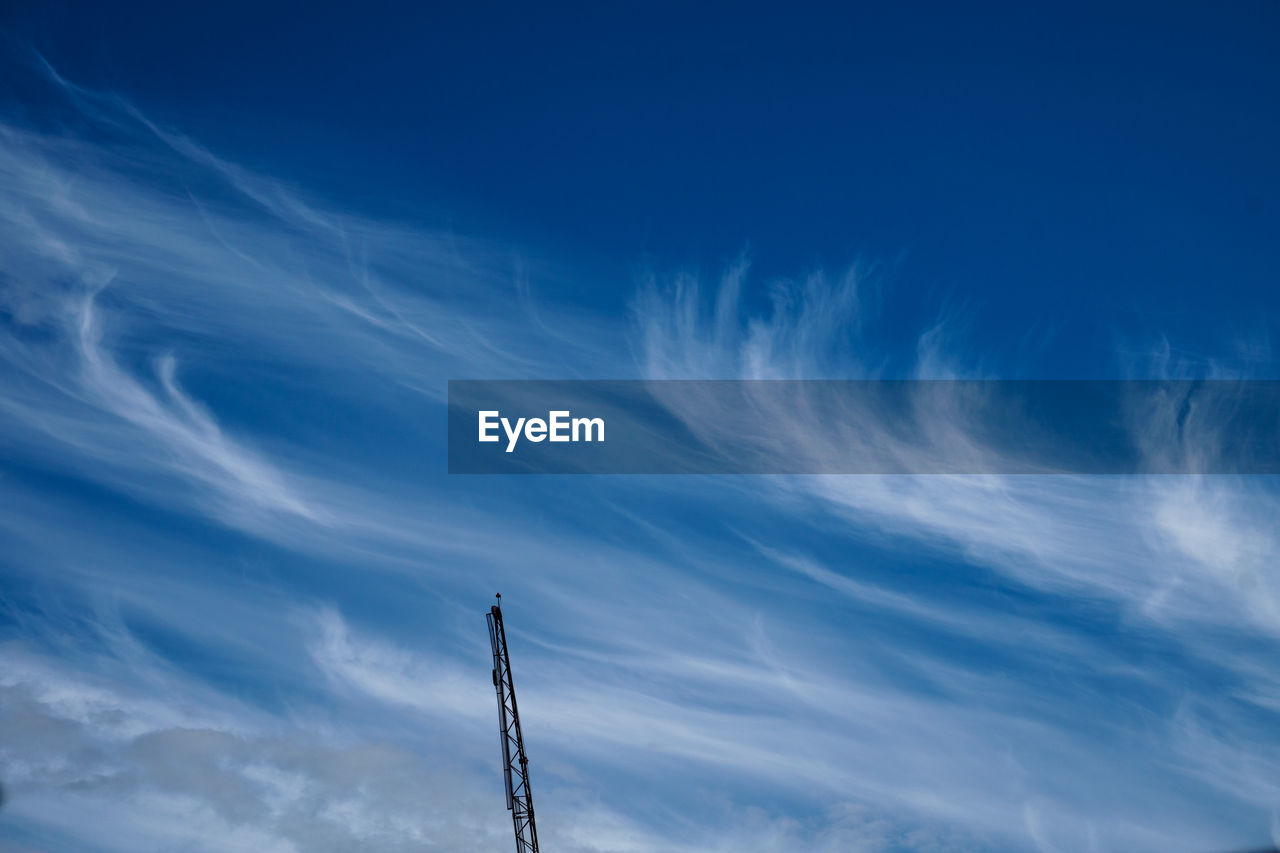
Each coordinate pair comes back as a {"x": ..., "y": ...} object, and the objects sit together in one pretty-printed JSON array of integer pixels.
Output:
[{"x": 242, "y": 251}]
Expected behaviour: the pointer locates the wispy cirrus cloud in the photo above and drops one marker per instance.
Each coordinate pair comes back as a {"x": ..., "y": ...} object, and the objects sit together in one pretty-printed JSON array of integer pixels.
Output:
[
  {"x": 264, "y": 633},
  {"x": 1159, "y": 544}
]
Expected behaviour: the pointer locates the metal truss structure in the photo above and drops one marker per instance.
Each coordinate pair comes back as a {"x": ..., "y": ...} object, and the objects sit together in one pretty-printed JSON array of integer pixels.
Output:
[{"x": 515, "y": 764}]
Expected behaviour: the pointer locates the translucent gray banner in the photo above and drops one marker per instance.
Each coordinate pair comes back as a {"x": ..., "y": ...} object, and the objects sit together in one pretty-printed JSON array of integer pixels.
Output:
[{"x": 864, "y": 427}]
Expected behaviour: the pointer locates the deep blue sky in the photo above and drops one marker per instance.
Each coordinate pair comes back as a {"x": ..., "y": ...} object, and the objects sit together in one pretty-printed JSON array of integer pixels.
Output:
[
  {"x": 242, "y": 250},
  {"x": 1059, "y": 163}
]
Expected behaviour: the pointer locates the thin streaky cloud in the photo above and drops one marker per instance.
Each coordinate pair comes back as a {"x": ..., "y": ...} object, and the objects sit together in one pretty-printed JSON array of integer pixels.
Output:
[{"x": 258, "y": 638}]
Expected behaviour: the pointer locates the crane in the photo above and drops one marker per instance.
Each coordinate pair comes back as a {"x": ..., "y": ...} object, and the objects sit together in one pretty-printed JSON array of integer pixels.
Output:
[{"x": 515, "y": 764}]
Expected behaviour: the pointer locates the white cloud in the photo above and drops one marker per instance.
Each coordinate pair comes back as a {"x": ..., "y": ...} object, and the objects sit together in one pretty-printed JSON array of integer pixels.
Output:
[{"x": 694, "y": 673}]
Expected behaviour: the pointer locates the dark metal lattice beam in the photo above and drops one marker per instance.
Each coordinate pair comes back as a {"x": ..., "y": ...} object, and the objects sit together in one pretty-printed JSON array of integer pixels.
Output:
[{"x": 515, "y": 764}]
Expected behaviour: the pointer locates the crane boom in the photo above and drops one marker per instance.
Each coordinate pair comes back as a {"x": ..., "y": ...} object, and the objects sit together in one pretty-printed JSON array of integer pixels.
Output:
[{"x": 515, "y": 764}]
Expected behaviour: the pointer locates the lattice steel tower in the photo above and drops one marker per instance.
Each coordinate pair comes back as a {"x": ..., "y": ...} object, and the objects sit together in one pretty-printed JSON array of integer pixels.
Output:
[{"x": 515, "y": 765}]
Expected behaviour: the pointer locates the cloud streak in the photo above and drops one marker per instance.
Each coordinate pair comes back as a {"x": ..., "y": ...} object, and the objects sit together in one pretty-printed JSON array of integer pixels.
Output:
[{"x": 240, "y": 612}]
